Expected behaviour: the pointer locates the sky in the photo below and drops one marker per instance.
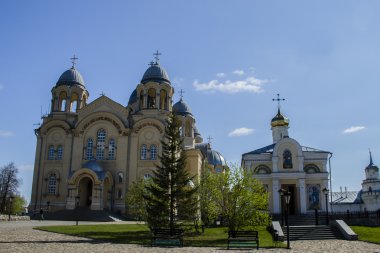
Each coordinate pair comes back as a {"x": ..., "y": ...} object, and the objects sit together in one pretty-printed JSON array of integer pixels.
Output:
[{"x": 230, "y": 57}]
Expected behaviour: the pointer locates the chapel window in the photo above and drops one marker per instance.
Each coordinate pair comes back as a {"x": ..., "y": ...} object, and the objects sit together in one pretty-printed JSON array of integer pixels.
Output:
[
  {"x": 59, "y": 152},
  {"x": 51, "y": 153},
  {"x": 111, "y": 150},
  {"x": 163, "y": 100},
  {"x": 153, "y": 152},
  {"x": 52, "y": 184},
  {"x": 89, "y": 149},
  {"x": 147, "y": 176},
  {"x": 143, "y": 152},
  {"x": 119, "y": 194},
  {"x": 287, "y": 160},
  {"x": 151, "y": 98},
  {"x": 100, "y": 144}
]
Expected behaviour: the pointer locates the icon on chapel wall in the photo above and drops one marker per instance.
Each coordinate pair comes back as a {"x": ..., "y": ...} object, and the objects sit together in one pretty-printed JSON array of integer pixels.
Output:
[
  {"x": 313, "y": 197},
  {"x": 287, "y": 160}
]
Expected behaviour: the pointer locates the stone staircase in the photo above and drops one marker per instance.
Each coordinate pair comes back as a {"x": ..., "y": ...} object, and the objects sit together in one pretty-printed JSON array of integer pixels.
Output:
[
  {"x": 303, "y": 227},
  {"x": 312, "y": 232}
]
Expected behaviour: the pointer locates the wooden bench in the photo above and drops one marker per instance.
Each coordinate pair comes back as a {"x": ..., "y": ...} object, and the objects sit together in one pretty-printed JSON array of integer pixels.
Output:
[
  {"x": 243, "y": 239},
  {"x": 167, "y": 237}
]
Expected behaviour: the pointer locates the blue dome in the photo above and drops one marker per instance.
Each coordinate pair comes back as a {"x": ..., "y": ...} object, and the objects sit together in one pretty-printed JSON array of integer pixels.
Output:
[
  {"x": 133, "y": 97},
  {"x": 181, "y": 108},
  {"x": 94, "y": 166},
  {"x": 155, "y": 73},
  {"x": 215, "y": 158},
  {"x": 71, "y": 77}
]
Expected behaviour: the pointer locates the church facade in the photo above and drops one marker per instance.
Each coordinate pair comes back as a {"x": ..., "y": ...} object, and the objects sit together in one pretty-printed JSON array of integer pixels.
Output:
[
  {"x": 285, "y": 164},
  {"x": 88, "y": 154}
]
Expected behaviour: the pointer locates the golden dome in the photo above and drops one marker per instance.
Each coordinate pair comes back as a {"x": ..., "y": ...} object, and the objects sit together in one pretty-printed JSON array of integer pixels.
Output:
[{"x": 279, "y": 120}]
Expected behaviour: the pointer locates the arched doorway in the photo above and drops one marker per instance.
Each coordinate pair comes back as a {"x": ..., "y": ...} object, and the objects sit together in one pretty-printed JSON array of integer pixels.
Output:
[{"x": 85, "y": 192}]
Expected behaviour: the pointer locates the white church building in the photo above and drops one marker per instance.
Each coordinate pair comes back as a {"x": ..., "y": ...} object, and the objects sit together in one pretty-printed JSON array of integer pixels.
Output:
[{"x": 286, "y": 164}]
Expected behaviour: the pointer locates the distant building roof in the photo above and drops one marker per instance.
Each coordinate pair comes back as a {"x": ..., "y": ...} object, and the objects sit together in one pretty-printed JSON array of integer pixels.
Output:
[
  {"x": 269, "y": 149},
  {"x": 349, "y": 197}
]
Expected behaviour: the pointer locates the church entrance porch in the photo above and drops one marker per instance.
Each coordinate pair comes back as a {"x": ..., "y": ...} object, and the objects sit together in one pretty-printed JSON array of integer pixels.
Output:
[
  {"x": 93, "y": 189},
  {"x": 293, "y": 203}
]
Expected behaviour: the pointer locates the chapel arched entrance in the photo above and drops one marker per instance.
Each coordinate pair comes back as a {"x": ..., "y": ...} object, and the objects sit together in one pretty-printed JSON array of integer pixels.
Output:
[{"x": 85, "y": 188}]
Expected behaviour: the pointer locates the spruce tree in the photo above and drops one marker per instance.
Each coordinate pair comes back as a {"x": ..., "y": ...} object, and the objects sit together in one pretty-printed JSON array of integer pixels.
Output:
[{"x": 171, "y": 195}]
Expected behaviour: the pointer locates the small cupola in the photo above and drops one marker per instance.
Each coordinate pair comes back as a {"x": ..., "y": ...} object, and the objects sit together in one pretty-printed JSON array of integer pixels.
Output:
[
  {"x": 279, "y": 123},
  {"x": 69, "y": 94},
  {"x": 155, "y": 73},
  {"x": 371, "y": 171},
  {"x": 181, "y": 108},
  {"x": 279, "y": 120},
  {"x": 155, "y": 90},
  {"x": 71, "y": 77}
]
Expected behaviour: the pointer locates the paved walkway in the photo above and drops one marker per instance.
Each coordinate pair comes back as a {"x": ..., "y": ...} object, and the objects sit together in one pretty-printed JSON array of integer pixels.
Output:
[{"x": 21, "y": 237}]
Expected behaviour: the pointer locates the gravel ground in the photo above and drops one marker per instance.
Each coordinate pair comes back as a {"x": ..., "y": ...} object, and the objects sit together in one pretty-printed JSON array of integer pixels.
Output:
[{"x": 21, "y": 237}]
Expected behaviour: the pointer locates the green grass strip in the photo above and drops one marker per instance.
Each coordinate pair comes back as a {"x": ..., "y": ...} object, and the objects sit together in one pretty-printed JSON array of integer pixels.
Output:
[
  {"x": 140, "y": 234},
  {"x": 367, "y": 234}
]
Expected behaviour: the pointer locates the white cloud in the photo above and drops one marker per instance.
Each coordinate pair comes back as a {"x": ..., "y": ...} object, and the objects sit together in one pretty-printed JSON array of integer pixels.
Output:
[
  {"x": 241, "y": 131},
  {"x": 238, "y": 72},
  {"x": 353, "y": 129},
  {"x": 220, "y": 75},
  {"x": 26, "y": 167},
  {"x": 250, "y": 84},
  {"x": 6, "y": 133}
]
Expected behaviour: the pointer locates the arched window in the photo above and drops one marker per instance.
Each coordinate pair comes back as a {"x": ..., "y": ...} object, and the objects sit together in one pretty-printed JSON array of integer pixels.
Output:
[
  {"x": 52, "y": 184},
  {"x": 163, "y": 100},
  {"x": 153, "y": 152},
  {"x": 141, "y": 101},
  {"x": 51, "y": 153},
  {"x": 111, "y": 150},
  {"x": 151, "y": 98},
  {"x": 262, "y": 169},
  {"x": 311, "y": 168},
  {"x": 74, "y": 102},
  {"x": 119, "y": 194},
  {"x": 287, "y": 160},
  {"x": 188, "y": 129},
  {"x": 89, "y": 149},
  {"x": 100, "y": 143},
  {"x": 147, "y": 176},
  {"x": 143, "y": 152},
  {"x": 59, "y": 152},
  {"x": 62, "y": 101}
]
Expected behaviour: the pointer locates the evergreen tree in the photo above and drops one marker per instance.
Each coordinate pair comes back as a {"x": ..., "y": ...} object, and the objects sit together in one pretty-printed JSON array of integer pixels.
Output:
[{"x": 171, "y": 195}]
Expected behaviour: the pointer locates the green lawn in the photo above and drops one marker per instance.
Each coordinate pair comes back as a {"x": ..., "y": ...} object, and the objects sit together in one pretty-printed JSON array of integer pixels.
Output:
[
  {"x": 139, "y": 234},
  {"x": 367, "y": 234}
]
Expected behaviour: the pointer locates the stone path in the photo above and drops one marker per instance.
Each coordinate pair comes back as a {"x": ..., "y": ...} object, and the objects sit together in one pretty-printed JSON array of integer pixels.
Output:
[{"x": 21, "y": 237}]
